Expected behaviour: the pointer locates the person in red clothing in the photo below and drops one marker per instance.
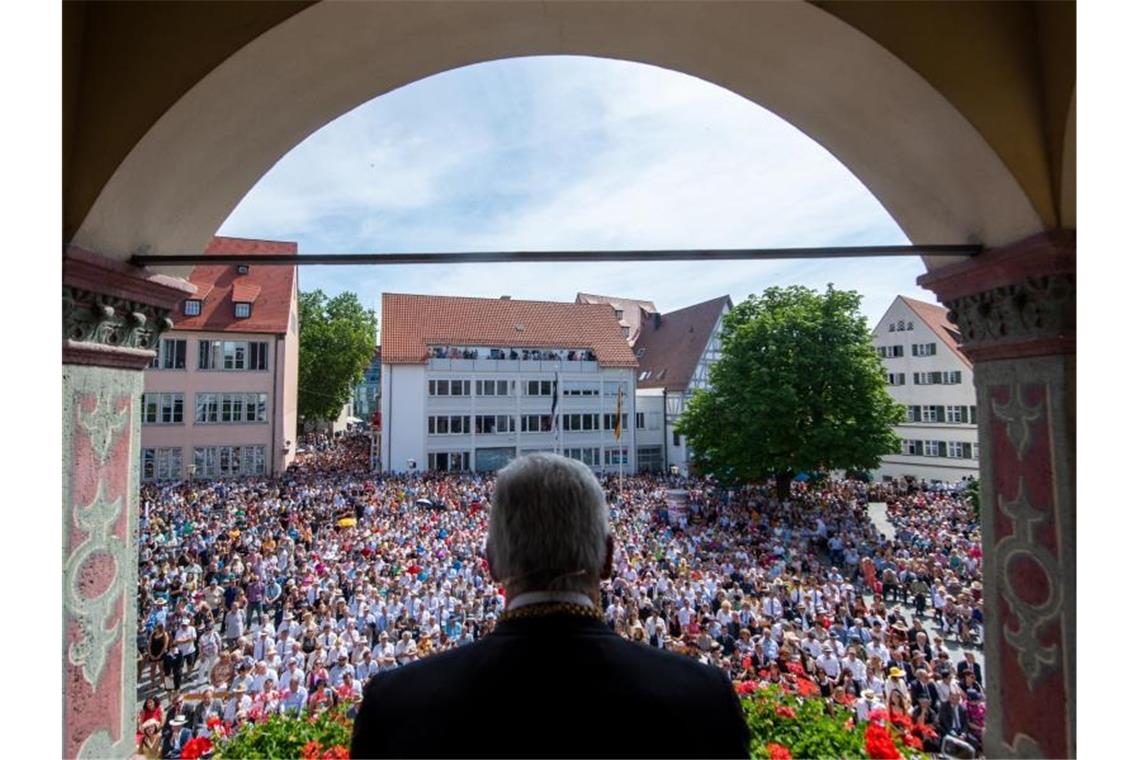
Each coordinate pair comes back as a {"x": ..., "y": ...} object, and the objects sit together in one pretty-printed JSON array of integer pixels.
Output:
[{"x": 151, "y": 710}]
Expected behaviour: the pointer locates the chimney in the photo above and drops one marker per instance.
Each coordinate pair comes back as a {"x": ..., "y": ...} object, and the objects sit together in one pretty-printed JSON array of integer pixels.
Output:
[
  {"x": 656, "y": 320},
  {"x": 504, "y": 298}
]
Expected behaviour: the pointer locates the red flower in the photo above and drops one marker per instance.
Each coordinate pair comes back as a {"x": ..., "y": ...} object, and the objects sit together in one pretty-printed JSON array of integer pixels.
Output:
[
  {"x": 795, "y": 667},
  {"x": 745, "y": 688},
  {"x": 807, "y": 688},
  {"x": 878, "y": 715},
  {"x": 913, "y": 742},
  {"x": 778, "y": 752},
  {"x": 336, "y": 752},
  {"x": 924, "y": 730},
  {"x": 311, "y": 750},
  {"x": 785, "y": 712},
  {"x": 879, "y": 744},
  {"x": 196, "y": 747}
]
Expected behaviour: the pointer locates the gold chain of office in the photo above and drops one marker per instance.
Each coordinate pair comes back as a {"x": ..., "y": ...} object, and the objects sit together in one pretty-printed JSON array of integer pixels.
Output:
[{"x": 550, "y": 609}]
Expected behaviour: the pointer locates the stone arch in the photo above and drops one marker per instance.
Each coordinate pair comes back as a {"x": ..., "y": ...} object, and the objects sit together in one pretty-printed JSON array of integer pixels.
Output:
[{"x": 924, "y": 161}]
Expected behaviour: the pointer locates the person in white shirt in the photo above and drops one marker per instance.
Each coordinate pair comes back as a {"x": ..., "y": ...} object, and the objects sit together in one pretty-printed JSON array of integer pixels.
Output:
[
  {"x": 209, "y": 648},
  {"x": 867, "y": 703},
  {"x": 856, "y": 666}
]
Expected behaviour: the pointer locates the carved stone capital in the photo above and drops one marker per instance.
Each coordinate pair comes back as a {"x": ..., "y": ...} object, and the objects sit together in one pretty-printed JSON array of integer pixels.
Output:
[
  {"x": 1013, "y": 302},
  {"x": 113, "y": 313}
]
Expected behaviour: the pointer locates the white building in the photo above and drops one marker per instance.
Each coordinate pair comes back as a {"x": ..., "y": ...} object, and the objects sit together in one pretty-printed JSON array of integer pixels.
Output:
[
  {"x": 930, "y": 376},
  {"x": 470, "y": 383}
]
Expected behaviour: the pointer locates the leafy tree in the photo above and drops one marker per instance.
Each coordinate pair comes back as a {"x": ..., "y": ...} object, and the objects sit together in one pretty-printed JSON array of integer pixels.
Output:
[
  {"x": 338, "y": 341},
  {"x": 799, "y": 389}
]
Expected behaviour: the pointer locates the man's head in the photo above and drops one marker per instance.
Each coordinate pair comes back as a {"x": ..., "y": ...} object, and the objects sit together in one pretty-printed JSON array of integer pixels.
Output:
[{"x": 549, "y": 527}]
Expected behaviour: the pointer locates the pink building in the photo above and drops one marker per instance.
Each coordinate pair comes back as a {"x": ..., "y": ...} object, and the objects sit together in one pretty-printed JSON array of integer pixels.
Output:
[{"x": 220, "y": 398}]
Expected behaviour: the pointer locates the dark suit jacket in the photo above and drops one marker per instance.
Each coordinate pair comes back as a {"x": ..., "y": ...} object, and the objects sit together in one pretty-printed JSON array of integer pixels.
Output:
[
  {"x": 946, "y": 718},
  {"x": 555, "y": 686}
]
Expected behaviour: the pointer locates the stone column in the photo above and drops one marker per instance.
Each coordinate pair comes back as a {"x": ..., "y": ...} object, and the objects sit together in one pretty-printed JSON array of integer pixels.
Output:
[
  {"x": 1016, "y": 310},
  {"x": 112, "y": 317}
]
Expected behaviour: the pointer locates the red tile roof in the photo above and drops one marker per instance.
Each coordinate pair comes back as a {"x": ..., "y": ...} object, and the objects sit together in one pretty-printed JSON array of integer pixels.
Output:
[
  {"x": 269, "y": 288},
  {"x": 634, "y": 311},
  {"x": 673, "y": 348},
  {"x": 410, "y": 323},
  {"x": 935, "y": 317}
]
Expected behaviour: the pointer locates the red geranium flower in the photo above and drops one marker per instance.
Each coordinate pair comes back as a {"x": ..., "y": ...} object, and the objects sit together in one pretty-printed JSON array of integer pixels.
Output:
[
  {"x": 795, "y": 667},
  {"x": 879, "y": 744},
  {"x": 745, "y": 688},
  {"x": 196, "y": 747},
  {"x": 778, "y": 752},
  {"x": 785, "y": 712},
  {"x": 913, "y": 742},
  {"x": 311, "y": 750},
  {"x": 336, "y": 752},
  {"x": 807, "y": 688},
  {"x": 877, "y": 715}
]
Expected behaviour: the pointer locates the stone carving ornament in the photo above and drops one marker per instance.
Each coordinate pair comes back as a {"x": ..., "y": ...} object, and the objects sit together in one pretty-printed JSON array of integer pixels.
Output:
[
  {"x": 112, "y": 321},
  {"x": 1033, "y": 308}
]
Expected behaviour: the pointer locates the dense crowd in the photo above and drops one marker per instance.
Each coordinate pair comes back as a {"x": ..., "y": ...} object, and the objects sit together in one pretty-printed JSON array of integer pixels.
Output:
[{"x": 285, "y": 595}]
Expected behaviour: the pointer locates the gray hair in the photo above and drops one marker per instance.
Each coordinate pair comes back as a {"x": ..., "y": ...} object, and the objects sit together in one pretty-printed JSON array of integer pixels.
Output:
[{"x": 549, "y": 524}]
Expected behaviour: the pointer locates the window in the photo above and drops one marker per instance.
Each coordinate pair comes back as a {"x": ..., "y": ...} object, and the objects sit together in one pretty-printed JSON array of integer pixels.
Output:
[
  {"x": 230, "y": 408},
  {"x": 911, "y": 448},
  {"x": 645, "y": 375},
  {"x": 959, "y": 450},
  {"x": 910, "y": 325},
  {"x": 489, "y": 424},
  {"x": 952, "y": 378},
  {"x": 572, "y": 388},
  {"x": 890, "y": 352},
  {"x": 449, "y": 461},
  {"x": 588, "y": 456},
  {"x": 534, "y": 423},
  {"x": 232, "y": 355},
  {"x": 619, "y": 314},
  {"x": 913, "y": 413},
  {"x": 540, "y": 388},
  {"x": 676, "y": 438},
  {"x": 192, "y": 307},
  {"x": 242, "y": 309},
  {"x": 453, "y": 424},
  {"x": 162, "y": 408},
  {"x": 934, "y": 448},
  {"x": 640, "y": 417},
  {"x": 957, "y": 413},
  {"x": 625, "y": 331},
  {"x": 974, "y": 417},
  {"x": 576, "y": 422},
  {"x": 161, "y": 464},
  {"x": 899, "y": 325},
  {"x": 616, "y": 456},
  {"x": 229, "y": 461},
  {"x": 934, "y": 414},
  {"x": 923, "y": 349},
  {"x": 171, "y": 354},
  {"x": 891, "y": 327},
  {"x": 896, "y": 378},
  {"x": 490, "y": 387}
]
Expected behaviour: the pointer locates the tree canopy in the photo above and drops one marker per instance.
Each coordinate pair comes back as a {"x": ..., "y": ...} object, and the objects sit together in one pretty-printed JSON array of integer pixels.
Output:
[
  {"x": 799, "y": 388},
  {"x": 338, "y": 341}
]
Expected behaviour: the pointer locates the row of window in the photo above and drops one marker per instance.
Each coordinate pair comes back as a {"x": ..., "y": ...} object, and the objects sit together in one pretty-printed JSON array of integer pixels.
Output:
[
  {"x": 900, "y": 326},
  {"x": 510, "y": 388},
  {"x": 192, "y": 307},
  {"x": 209, "y": 462},
  {"x": 454, "y": 461},
  {"x": 946, "y": 377},
  {"x": 213, "y": 354},
  {"x": 490, "y": 424},
  {"x": 939, "y": 413},
  {"x": 899, "y": 350},
  {"x": 168, "y": 408},
  {"x": 945, "y": 449}
]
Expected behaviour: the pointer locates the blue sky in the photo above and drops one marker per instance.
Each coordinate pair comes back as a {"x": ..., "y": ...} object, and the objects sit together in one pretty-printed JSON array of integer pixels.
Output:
[{"x": 571, "y": 153}]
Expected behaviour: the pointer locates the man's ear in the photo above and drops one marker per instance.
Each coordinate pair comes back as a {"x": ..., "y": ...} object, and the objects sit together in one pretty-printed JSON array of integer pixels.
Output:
[{"x": 608, "y": 566}]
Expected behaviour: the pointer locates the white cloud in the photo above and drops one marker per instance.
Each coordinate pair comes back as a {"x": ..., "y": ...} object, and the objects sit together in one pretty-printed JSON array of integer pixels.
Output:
[{"x": 572, "y": 153}]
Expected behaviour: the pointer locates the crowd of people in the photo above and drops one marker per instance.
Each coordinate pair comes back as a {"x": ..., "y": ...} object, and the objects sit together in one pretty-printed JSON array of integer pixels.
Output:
[{"x": 285, "y": 595}]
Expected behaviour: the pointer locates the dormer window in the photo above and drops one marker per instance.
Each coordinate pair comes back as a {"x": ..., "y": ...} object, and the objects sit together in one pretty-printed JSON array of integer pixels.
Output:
[
  {"x": 243, "y": 268},
  {"x": 242, "y": 310},
  {"x": 192, "y": 307},
  {"x": 619, "y": 314}
]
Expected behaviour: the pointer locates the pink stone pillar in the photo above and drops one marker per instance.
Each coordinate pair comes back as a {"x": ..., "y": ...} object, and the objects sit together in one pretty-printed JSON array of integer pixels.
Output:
[
  {"x": 112, "y": 317},
  {"x": 1016, "y": 310}
]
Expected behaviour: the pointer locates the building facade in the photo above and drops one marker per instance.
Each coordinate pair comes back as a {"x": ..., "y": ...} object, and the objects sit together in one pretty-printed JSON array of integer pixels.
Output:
[
  {"x": 929, "y": 375},
  {"x": 220, "y": 396},
  {"x": 366, "y": 395},
  {"x": 467, "y": 384},
  {"x": 674, "y": 353}
]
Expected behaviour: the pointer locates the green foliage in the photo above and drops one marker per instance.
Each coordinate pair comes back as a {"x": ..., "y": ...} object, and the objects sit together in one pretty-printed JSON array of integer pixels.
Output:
[
  {"x": 973, "y": 492},
  {"x": 280, "y": 736},
  {"x": 813, "y": 732},
  {"x": 338, "y": 341},
  {"x": 798, "y": 389}
]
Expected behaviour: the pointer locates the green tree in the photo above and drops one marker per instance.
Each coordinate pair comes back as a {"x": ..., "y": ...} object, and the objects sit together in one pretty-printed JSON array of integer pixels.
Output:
[
  {"x": 338, "y": 341},
  {"x": 798, "y": 389}
]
